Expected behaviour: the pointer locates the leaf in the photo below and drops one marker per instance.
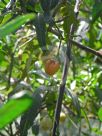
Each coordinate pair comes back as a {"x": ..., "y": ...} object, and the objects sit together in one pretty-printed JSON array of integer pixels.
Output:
[
  {"x": 35, "y": 129},
  {"x": 28, "y": 118},
  {"x": 75, "y": 102},
  {"x": 98, "y": 93},
  {"x": 15, "y": 24},
  {"x": 5, "y": 18},
  {"x": 45, "y": 4},
  {"x": 50, "y": 102},
  {"x": 1, "y": 18},
  {"x": 14, "y": 108},
  {"x": 100, "y": 114},
  {"x": 86, "y": 118},
  {"x": 41, "y": 31},
  {"x": 96, "y": 11},
  {"x": 68, "y": 10},
  {"x": 30, "y": 5},
  {"x": 48, "y": 5}
]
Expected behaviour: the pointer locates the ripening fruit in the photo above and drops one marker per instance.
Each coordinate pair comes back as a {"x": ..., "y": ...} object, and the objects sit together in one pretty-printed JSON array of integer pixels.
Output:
[
  {"x": 51, "y": 66},
  {"x": 62, "y": 117},
  {"x": 46, "y": 123}
]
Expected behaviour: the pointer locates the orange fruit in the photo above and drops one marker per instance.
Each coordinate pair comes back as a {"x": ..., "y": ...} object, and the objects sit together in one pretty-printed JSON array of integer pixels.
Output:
[{"x": 51, "y": 66}]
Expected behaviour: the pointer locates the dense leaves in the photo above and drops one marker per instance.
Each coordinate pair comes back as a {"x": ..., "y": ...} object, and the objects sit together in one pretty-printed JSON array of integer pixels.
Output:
[{"x": 33, "y": 32}]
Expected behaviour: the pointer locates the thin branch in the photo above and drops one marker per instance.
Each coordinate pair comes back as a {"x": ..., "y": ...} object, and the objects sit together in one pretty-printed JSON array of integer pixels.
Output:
[
  {"x": 11, "y": 129},
  {"x": 62, "y": 19},
  {"x": 54, "y": 31},
  {"x": 1, "y": 134},
  {"x": 11, "y": 68},
  {"x": 9, "y": 6},
  {"x": 64, "y": 76},
  {"x": 87, "y": 49},
  {"x": 69, "y": 110},
  {"x": 63, "y": 83},
  {"x": 83, "y": 47}
]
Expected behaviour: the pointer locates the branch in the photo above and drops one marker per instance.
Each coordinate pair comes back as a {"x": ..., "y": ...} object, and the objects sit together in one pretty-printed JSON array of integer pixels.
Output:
[
  {"x": 11, "y": 130},
  {"x": 64, "y": 75},
  {"x": 1, "y": 134},
  {"x": 63, "y": 83},
  {"x": 83, "y": 47},
  {"x": 9, "y": 6},
  {"x": 87, "y": 49}
]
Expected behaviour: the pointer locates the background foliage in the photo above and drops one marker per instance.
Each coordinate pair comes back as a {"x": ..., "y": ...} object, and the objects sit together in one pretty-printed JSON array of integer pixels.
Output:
[{"x": 30, "y": 32}]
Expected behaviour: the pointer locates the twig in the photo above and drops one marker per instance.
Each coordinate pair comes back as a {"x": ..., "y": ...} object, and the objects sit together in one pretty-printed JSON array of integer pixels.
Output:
[
  {"x": 11, "y": 68},
  {"x": 8, "y": 6},
  {"x": 62, "y": 19},
  {"x": 7, "y": 130},
  {"x": 1, "y": 134},
  {"x": 54, "y": 31},
  {"x": 69, "y": 110},
  {"x": 83, "y": 47},
  {"x": 11, "y": 131},
  {"x": 87, "y": 49},
  {"x": 62, "y": 86},
  {"x": 79, "y": 134}
]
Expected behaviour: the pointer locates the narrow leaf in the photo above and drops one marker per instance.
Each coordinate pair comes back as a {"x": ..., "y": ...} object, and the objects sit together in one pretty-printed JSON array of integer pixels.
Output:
[
  {"x": 100, "y": 114},
  {"x": 41, "y": 31},
  {"x": 15, "y": 24},
  {"x": 13, "y": 108},
  {"x": 28, "y": 118}
]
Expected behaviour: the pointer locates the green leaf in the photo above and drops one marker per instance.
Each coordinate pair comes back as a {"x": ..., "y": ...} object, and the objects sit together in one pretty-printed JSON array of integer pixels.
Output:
[
  {"x": 50, "y": 102},
  {"x": 15, "y": 24},
  {"x": 14, "y": 108},
  {"x": 68, "y": 10},
  {"x": 75, "y": 102},
  {"x": 100, "y": 114},
  {"x": 41, "y": 31},
  {"x": 5, "y": 18},
  {"x": 83, "y": 112},
  {"x": 48, "y": 5},
  {"x": 96, "y": 12},
  {"x": 28, "y": 118},
  {"x": 35, "y": 129}
]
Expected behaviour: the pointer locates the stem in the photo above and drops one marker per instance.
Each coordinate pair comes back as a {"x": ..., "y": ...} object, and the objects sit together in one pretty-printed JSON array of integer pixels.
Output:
[
  {"x": 11, "y": 131},
  {"x": 64, "y": 75},
  {"x": 87, "y": 49},
  {"x": 10, "y": 72},
  {"x": 1, "y": 134},
  {"x": 62, "y": 86}
]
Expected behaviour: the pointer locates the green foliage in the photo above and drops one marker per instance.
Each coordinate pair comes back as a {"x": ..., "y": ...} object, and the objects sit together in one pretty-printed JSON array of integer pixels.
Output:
[
  {"x": 41, "y": 31},
  {"x": 97, "y": 10},
  {"x": 16, "y": 23},
  {"x": 100, "y": 114},
  {"x": 14, "y": 107},
  {"x": 28, "y": 118},
  {"x": 32, "y": 32}
]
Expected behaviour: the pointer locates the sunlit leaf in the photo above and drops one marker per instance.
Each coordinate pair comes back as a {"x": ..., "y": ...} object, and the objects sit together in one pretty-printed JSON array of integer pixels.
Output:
[
  {"x": 28, "y": 118},
  {"x": 100, "y": 114},
  {"x": 14, "y": 108},
  {"x": 14, "y": 24}
]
